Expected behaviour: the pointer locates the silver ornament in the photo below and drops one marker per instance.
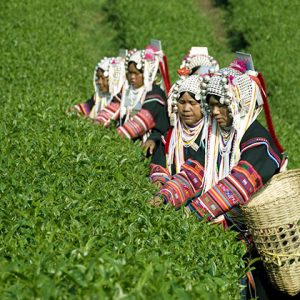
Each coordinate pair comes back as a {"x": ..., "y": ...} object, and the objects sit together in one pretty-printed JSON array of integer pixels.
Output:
[
  {"x": 224, "y": 80},
  {"x": 211, "y": 70},
  {"x": 225, "y": 73},
  {"x": 206, "y": 78}
]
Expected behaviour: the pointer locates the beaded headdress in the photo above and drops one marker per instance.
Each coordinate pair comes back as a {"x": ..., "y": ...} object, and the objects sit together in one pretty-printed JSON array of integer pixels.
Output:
[
  {"x": 103, "y": 64},
  {"x": 190, "y": 84},
  {"x": 235, "y": 90},
  {"x": 197, "y": 58},
  {"x": 147, "y": 61},
  {"x": 114, "y": 69}
]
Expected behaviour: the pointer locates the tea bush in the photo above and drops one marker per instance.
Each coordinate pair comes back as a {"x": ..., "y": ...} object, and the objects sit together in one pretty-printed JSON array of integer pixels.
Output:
[{"x": 74, "y": 218}]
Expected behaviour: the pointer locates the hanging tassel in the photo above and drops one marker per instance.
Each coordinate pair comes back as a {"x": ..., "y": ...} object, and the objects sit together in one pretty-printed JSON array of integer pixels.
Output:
[
  {"x": 173, "y": 119},
  {"x": 168, "y": 138},
  {"x": 262, "y": 85},
  {"x": 167, "y": 70},
  {"x": 164, "y": 76}
]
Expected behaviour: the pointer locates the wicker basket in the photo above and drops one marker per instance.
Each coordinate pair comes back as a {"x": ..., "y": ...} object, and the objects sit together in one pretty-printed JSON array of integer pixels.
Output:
[{"x": 273, "y": 218}]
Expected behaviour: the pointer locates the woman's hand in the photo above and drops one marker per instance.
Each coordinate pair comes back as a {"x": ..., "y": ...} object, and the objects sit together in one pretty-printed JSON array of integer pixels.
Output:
[
  {"x": 156, "y": 201},
  {"x": 149, "y": 146},
  {"x": 72, "y": 111}
]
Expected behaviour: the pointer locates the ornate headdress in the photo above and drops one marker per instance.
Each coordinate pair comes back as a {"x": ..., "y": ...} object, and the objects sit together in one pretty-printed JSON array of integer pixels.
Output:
[
  {"x": 197, "y": 58},
  {"x": 147, "y": 61},
  {"x": 236, "y": 90},
  {"x": 114, "y": 70},
  {"x": 190, "y": 84}
]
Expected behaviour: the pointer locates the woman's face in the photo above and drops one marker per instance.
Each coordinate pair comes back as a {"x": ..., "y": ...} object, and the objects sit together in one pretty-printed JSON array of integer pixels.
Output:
[
  {"x": 189, "y": 109},
  {"x": 102, "y": 81},
  {"x": 134, "y": 76},
  {"x": 219, "y": 111}
]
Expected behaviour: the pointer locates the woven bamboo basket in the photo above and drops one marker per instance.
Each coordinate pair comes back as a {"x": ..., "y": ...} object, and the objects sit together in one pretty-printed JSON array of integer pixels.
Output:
[{"x": 273, "y": 219}]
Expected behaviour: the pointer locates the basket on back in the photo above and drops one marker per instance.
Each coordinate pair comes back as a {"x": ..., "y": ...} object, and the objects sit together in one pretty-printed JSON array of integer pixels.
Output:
[{"x": 273, "y": 218}]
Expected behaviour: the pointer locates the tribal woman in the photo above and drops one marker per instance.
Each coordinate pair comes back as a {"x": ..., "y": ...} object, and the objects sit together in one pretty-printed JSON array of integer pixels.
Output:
[
  {"x": 108, "y": 80},
  {"x": 143, "y": 105},
  {"x": 182, "y": 147},
  {"x": 197, "y": 61}
]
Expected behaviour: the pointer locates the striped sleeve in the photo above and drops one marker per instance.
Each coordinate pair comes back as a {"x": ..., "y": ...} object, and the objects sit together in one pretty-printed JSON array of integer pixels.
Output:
[
  {"x": 86, "y": 107},
  {"x": 235, "y": 189},
  {"x": 138, "y": 125},
  {"x": 110, "y": 112},
  {"x": 159, "y": 174},
  {"x": 184, "y": 184}
]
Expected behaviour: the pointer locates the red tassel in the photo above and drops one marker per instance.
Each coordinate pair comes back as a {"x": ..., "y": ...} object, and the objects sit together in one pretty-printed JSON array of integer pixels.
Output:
[
  {"x": 167, "y": 70},
  {"x": 262, "y": 85},
  {"x": 168, "y": 138},
  {"x": 164, "y": 76}
]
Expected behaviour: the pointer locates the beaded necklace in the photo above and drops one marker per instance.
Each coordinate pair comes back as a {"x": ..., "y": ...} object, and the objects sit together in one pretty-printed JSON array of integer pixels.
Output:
[
  {"x": 132, "y": 100},
  {"x": 183, "y": 136}
]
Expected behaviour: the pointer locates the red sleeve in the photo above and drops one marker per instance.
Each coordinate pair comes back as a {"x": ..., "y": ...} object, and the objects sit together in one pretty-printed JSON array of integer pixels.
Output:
[
  {"x": 184, "y": 184},
  {"x": 110, "y": 112},
  {"x": 138, "y": 125},
  {"x": 159, "y": 174}
]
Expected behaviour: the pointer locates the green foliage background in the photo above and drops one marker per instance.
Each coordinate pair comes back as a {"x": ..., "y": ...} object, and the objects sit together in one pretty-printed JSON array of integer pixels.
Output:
[{"x": 74, "y": 221}]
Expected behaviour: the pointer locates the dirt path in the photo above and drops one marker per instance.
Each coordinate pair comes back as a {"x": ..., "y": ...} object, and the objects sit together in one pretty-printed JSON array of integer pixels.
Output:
[{"x": 217, "y": 16}]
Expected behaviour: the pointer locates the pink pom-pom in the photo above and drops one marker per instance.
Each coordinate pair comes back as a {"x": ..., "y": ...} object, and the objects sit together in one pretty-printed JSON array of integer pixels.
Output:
[
  {"x": 231, "y": 79},
  {"x": 150, "y": 53},
  {"x": 239, "y": 65}
]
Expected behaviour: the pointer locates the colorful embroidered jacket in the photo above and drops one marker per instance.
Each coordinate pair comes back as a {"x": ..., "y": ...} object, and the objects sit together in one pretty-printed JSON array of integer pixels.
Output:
[
  {"x": 110, "y": 112},
  {"x": 153, "y": 115},
  {"x": 86, "y": 107},
  {"x": 158, "y": 169},
  {"x": 259, "y": 161}
]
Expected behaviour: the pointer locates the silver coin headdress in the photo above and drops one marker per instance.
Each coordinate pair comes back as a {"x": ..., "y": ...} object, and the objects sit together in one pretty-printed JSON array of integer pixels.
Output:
[
  {"x": 191, "y": 84},
  {"x": 147, "y": 61},
  {"x": 114, "y": 69},
  {"x": 197, "y": 58},
  {"x": 237, "y": 90}
]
